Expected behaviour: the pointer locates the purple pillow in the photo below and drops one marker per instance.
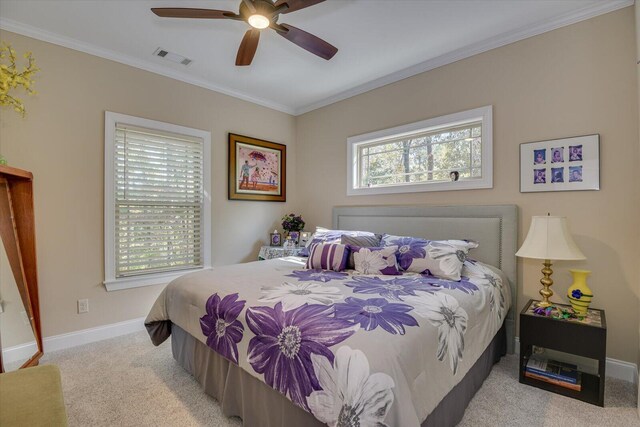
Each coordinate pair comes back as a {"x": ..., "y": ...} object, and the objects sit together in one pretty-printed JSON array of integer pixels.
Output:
[
  {"x": 440, "y": 258},
  {"x": 328, "y": 256},
  {"x": 409, "y": 248},
  {"x": 324, "y": 235},
  {"x": 375, "y": 260}
]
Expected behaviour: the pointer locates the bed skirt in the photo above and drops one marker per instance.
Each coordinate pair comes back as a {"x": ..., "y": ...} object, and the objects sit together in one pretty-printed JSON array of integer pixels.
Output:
[{"x": 244, "y": 396}]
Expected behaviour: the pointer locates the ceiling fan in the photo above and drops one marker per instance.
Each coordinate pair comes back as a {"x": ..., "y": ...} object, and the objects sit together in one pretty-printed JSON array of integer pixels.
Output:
[{"x": 259, "y": 14}]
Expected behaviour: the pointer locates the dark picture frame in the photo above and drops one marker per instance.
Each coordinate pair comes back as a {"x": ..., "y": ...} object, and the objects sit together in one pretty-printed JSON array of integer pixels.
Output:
[
  {"x": 565, "y": 164},
  {"x": 275, "y": 239},
  {"x": 257, "y": 169}
]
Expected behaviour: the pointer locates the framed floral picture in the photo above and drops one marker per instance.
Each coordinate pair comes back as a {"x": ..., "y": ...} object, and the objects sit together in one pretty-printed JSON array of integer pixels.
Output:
[
  {"x": 257, "y": 169},
  {"x": 565, "y": 164}
]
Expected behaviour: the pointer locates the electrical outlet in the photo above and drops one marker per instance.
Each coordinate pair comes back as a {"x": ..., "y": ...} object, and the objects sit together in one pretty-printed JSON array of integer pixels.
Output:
[{"x": 83, "y": 306}]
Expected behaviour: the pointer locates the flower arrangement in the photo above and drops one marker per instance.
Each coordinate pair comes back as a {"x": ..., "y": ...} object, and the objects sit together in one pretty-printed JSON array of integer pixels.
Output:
[
  {"x": 292, "y": 222},
  {"x": 12, "y": 78}
]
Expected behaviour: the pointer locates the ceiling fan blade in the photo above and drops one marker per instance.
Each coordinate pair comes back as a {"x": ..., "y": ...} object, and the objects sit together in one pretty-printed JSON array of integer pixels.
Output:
[
  {"x": 184, "y": 12},
  {"x": 248, "y": 47},
  {"x": 296, "y": 4},
  {"x": 307, "y": 41}
]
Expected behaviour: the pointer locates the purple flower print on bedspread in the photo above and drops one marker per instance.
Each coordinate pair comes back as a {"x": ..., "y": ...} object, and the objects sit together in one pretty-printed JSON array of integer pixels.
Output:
[
  {"x": 391, "y": 289},
  {"x": 285, "y": 341},
  {"x": 374, "y": 312},
  {"x": 318, "y": 275},
  {"x": 221, "y": 326},
  {"x": 464, "y": 285}
]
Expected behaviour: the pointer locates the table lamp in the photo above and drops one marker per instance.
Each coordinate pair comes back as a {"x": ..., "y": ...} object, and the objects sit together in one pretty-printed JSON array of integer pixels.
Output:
[{"x": 549, "y": 239}]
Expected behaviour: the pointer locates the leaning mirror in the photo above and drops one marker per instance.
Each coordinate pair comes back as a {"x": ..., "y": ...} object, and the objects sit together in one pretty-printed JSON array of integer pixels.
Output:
[{"x": 16, "y": 335}]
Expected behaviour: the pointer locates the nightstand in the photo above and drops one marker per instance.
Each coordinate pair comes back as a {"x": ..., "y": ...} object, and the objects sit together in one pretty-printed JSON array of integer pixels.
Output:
[
  {"x": 583, "y": 340},
  {"x": 270, "y": 252}
]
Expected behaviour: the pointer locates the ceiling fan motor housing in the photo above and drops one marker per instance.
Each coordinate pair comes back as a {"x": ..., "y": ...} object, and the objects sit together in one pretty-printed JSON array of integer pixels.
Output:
[{"x": 262, "y": 7}]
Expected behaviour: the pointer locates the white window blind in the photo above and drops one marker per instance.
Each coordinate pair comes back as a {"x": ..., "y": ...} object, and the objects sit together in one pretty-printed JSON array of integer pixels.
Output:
[{"x": 159, "y": 196}]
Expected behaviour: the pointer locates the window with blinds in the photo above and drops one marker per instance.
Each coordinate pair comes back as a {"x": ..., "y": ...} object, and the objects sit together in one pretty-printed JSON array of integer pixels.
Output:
[
  {"x": 444, "y": 153},
  {"x": 156, "y": 207}
]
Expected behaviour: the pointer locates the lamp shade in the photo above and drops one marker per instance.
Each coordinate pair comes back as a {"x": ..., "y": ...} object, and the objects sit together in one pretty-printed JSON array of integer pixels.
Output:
[{"x": 549, "y": 238}]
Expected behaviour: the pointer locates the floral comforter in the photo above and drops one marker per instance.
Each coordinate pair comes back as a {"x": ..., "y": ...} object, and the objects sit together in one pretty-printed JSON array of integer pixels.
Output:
[{"x": 350, "y": 349}]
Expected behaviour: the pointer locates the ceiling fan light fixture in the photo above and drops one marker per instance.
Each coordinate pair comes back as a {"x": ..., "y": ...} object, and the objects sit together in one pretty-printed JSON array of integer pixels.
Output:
[{"x": 259, "y": 21}]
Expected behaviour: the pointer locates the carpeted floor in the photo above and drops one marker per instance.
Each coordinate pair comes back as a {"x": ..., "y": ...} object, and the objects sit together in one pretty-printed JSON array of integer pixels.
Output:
[{"x": 126, "y": 381}]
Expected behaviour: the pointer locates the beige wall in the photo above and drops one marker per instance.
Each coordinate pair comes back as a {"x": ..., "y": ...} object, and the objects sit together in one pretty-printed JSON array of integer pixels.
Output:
[
  {"x": 573, "y": 81},
  {"x": 62, "y": 142}
]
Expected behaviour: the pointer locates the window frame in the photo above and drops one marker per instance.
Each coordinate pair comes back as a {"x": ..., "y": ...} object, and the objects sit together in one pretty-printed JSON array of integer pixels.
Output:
[
  {"x": 482, "y": 114},
  {"x": 111, "y": 282}
]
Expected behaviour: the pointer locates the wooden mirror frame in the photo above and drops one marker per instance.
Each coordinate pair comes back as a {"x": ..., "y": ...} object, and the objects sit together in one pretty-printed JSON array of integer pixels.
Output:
[{"x": 17, "y": 230}]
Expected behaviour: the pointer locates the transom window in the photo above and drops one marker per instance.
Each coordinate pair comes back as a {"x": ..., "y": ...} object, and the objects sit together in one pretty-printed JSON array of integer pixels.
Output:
[
  {"x": 445, "y": 153},
  {"x": 156, "y": 201},
  {"x": 434, "y": 156}
]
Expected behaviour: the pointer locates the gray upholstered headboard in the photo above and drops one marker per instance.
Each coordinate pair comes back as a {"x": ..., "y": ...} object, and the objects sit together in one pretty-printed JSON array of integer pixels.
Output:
[{"x": 494, "y": 227}]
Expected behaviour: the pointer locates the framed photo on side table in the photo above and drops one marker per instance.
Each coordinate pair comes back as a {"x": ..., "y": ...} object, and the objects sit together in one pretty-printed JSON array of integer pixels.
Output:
[
  {"x": 257, "y": 169},
  {"x": 275, "y": 238},
  {"x": 566, "y": 164}
]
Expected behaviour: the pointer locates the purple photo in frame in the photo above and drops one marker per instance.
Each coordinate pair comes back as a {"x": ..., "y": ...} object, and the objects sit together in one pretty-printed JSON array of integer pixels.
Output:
[{"x": 276, "y": 238}]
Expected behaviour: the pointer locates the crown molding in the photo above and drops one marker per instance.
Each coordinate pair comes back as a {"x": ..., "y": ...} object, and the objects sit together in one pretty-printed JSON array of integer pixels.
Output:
[
  {"x": 500, "y": 40},
  {"x": 68, "y": 42},
  {"x": 503, "y": 39}
]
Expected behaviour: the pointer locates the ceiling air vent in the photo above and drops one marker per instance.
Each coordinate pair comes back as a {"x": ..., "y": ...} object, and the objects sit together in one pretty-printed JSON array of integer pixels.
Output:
[{"x": 173, "y": 57}]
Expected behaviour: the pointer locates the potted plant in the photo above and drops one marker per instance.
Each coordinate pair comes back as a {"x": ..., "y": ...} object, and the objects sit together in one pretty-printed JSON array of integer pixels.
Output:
[{"x": 293, "y": 224}]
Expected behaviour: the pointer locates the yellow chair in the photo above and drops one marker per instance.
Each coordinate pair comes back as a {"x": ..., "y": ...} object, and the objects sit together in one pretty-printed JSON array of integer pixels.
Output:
[{"x": 32, "y": 397}]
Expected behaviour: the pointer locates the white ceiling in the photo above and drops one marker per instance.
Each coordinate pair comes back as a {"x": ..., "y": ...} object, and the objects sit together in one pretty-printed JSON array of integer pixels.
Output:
[{"x": 379, "y": 41}]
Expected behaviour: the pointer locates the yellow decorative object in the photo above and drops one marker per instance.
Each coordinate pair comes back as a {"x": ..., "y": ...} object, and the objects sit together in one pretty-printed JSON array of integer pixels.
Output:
[
  {"x": 549, "y": 239},
  {"x": 579, "y": 293},
  {"x": 11, "y": 78}
]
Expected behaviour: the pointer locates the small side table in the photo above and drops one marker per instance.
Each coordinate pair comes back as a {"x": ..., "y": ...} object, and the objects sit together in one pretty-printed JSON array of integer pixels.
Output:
[
  {"x": 270, "y": 252},
  {"x": 581, "y": 338}
]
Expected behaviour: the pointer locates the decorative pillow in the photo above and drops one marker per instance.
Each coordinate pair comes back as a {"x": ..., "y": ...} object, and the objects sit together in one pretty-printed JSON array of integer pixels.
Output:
[
  {"x": 375, "y": 260},
  {"x": 440, "y": 258},
  {"x": 361, "y": 241},
  {"x": 328, "y": 256},
  {"x": 324, "y": 235}
]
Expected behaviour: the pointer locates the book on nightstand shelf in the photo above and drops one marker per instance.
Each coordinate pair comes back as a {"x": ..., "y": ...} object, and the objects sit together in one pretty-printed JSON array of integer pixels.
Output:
[{"x": 554, "y": 372}]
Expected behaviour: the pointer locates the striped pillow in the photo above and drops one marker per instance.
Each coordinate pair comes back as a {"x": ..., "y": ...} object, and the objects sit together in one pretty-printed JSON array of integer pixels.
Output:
[
  {"x": 328, "y": 256},
  {"x": 324, "y": 235}
]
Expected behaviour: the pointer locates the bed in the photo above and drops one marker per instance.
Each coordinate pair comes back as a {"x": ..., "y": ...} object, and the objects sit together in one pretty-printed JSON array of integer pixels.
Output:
[{"x": 282, "y": 361}]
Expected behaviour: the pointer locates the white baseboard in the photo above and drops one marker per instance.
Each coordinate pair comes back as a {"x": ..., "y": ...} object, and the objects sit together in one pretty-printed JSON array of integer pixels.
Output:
[
  {"x": 615, "y": 368},
  {"x": 99, "y": 333},
  {"x": 73, "y": 339},
  {"x": 18, "y": 353}
]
